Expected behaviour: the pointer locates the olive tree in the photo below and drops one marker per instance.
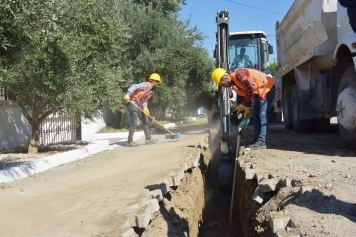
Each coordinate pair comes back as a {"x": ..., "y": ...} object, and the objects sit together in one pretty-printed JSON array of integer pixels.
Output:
[
  {"x": 62, "y": 56},
  {"x": 164, "y": 44}
]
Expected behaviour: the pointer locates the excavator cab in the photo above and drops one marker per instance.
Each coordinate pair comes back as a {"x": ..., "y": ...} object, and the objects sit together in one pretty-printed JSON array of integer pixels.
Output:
[{"x": 249, "y": 49}]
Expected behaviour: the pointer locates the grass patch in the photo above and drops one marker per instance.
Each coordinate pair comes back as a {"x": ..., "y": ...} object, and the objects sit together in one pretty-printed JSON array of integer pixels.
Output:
[
  {"x": 109, "y": 129},
  {"x": 151, "y": 124}
]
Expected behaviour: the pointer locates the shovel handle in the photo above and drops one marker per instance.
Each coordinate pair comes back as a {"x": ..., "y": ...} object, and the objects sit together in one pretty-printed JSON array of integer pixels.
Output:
[{"x": 152, "y": 118}]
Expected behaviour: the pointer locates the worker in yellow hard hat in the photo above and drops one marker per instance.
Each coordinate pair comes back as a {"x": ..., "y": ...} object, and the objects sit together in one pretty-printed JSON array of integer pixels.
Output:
[
  {"x": 251, "y": 84},
  {"x": 136, "y": 98}
]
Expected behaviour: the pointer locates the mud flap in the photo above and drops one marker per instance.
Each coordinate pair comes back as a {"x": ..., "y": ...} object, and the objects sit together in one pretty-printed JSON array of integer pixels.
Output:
[{"x": 304, "y": 111}]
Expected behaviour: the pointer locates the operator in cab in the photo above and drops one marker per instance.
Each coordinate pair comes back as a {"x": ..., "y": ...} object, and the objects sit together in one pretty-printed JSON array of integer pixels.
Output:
[
  {"x": 242, "y": 60},
  {"x": 255, "y": 86}
]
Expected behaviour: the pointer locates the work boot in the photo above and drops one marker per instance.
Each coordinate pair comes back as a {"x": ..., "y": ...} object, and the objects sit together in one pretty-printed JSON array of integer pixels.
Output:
[
  {"x": 258, "y": 145},
  {"x": 132, "y": 144},
  {"x": 150, "y": 141}
]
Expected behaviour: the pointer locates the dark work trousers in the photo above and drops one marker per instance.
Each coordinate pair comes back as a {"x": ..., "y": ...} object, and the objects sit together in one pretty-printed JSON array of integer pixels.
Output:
[
  {"x": 135, "y": 114},
  {"x": 351, "y": 11},
  {"x": 260, "y": 114}
]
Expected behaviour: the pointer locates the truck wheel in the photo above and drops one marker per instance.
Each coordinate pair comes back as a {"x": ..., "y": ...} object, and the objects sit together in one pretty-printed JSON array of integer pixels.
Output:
[
  {"x": 299, "y": 125},
  {"x": 286, "y": 108},
  {"x": 321, "y": 125},
  {"x": 346, "y": 107}
]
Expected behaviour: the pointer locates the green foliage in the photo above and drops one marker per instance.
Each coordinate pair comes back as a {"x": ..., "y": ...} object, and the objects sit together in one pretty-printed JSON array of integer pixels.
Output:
[
  {"x": 273, "y": 66},
  {"x": 171, "y": 48},
  {"x": 77, "y": 57},
  {"x": 66, "y": 54},
  {"x": 110, "y": 129},
  {"x": 166, "y": 7}
]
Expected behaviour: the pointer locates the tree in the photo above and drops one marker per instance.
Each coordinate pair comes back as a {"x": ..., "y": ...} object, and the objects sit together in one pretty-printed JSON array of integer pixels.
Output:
[
  {"x": 166, "y": 7},
  {"x": 170, "y": 47},
  {"x": 62, "y": 56},
  {"x": 273, "y": 66},
  {"x": 76, "y": 57}
]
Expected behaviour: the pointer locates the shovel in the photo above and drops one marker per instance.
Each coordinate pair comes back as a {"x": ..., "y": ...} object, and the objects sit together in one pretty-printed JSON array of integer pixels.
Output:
[
  {"x": 171, "y": 135},
  {"x": 242, "y": 126}
]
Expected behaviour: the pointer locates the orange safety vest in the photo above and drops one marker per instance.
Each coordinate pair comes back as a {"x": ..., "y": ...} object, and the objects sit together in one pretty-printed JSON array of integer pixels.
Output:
[
  {"x": 141, "y": 96},
  {"x": 259, "y": 81}
]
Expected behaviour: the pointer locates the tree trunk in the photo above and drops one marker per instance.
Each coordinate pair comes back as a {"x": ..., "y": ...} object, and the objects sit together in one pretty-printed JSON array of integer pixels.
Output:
[
  {"x": 34, "y": 143},
  {"x": 122, "y": 119}
]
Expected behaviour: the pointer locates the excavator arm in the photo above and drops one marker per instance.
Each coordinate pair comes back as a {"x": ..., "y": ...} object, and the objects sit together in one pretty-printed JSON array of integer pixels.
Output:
[{"x": 225, "y": 169}]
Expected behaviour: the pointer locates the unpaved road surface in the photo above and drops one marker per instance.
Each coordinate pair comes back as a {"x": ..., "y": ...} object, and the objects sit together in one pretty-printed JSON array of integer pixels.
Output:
[{"x": 81, "y": 198}]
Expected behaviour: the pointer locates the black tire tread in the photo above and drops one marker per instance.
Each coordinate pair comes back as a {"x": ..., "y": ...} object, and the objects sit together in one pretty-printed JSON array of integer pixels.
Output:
[
  {"x": 299, "y": 125},
  {"x": 286, "y": 105}
]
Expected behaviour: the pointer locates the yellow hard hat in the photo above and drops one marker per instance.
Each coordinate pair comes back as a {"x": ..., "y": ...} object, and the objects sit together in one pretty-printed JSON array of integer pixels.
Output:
[
  {"x": 217, "y": 74},
  {"x": 155, "y": 77}
]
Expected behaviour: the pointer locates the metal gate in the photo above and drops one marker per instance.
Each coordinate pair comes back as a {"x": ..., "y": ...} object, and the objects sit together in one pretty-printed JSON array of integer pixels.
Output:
[{"x": 59, "y": 128}]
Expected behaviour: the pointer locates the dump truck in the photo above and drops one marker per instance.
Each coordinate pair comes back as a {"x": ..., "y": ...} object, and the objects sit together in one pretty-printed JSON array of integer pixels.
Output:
[
  {"x": 227, "y": 53},
  {"x": 316, "y": 53}
]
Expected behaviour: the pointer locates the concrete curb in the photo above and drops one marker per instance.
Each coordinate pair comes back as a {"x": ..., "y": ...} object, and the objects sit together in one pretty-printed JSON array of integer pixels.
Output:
[
  {"x": 280, "y": 220},
  {"x": 103, "y": 136},
  {"x": 98, "y": 144},
  {"x": 137, "y": 134},
  {"x": 31, "y": 168},
  {"x": 140, "y": 213}
]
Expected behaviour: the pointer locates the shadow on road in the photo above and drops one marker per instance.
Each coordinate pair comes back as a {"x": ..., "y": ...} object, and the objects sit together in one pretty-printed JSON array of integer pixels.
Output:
[
  {"x": 324, "y": 204},
  {"x": 328, "y": 143}
]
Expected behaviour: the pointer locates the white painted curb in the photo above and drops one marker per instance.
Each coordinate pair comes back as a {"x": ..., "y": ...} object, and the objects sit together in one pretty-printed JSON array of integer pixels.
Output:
[
  {"x": 31, "y": 168},
  {"x": 100, "y": 136}
]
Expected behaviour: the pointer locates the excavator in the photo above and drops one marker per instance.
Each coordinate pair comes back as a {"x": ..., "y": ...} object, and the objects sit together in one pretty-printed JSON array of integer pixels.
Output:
[{"x": 226, "y": 53}]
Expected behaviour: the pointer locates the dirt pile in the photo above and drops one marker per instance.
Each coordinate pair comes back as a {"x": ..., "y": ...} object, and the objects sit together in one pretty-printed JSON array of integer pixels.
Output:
[{"x": 312, "y": 181}]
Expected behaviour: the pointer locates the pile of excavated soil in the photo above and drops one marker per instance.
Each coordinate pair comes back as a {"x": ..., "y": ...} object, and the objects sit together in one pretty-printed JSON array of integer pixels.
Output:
[{"x": 317, "y": 186}]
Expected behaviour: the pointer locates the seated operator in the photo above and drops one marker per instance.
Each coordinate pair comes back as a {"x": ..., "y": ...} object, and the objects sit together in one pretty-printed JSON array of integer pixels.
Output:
[{"x": 241, "y": 61}]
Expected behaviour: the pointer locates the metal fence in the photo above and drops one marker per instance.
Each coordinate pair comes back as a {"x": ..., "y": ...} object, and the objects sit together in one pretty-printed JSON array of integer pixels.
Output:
[
  {"x": 55, "y": 128},
  {"x": 59, "y": 128}
]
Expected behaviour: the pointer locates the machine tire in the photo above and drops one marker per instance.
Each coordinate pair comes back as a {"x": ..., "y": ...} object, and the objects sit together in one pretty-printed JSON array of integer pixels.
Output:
[
  {"x": 321, "y": 125},
  {"x": 348, "y": 79},
  {"x": 299, "y": 125},
  {"x": 274, "y": 117},
  {"x": 287, "y": 107}
]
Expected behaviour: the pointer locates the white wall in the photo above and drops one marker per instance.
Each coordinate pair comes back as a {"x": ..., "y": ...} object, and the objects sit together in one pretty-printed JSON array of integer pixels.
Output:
[
  {"x": 14, "y": 128},
  {"x": 89, "y": 129}
]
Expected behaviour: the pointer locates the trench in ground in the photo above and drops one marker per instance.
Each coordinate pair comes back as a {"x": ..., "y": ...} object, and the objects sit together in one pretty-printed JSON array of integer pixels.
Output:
[{"x": 198, "y": 208}]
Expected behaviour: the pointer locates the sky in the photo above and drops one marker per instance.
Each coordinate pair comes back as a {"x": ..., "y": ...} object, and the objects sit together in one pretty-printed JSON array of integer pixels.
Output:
[{"x": 245, "y": 15}]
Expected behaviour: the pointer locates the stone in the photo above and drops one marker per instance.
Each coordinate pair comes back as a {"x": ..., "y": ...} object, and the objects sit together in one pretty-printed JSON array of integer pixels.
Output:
[{"x": 268, "y": 185}]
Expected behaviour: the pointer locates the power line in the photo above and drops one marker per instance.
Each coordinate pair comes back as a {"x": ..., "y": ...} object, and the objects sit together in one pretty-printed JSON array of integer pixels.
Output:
[{"x": 254, "y": 7}]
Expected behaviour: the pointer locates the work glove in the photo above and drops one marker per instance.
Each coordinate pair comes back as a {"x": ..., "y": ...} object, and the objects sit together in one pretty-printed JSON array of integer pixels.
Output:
[
  {"x": 146, "y": 112},
  {"x": 126, "y": 99},
  {"x": 247, "y": 112},
  {"x": 239, "y": 109}
]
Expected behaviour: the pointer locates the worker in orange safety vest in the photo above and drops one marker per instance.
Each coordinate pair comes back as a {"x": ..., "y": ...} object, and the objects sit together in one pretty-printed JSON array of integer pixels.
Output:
[
  {"x": 137, "y": 96},
  {"x": 252, "y": 85}
]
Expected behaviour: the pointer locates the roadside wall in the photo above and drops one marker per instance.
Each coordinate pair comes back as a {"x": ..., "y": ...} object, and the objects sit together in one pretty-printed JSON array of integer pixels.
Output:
[
  {"x": 89, "y": 129},
  {"x": 14, "y": 128}
]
